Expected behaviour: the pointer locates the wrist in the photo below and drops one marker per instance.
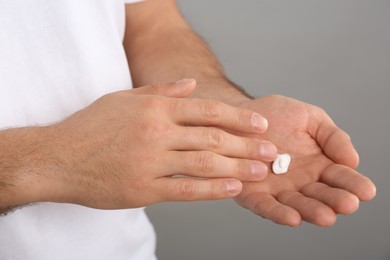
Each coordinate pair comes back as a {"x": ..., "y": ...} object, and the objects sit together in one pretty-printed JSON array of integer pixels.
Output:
[
  {"x": 223, "y": 90},
  {"x": 18, "y": 177},
  {"x": 22, "y": 166}
]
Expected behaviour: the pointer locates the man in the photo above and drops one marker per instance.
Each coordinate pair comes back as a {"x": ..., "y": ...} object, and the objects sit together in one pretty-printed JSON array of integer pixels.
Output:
[{"x": 75, "y": 134}]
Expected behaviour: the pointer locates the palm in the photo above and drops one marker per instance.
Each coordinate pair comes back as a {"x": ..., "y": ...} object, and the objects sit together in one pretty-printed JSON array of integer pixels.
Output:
[{"x": 317, "y": 185}]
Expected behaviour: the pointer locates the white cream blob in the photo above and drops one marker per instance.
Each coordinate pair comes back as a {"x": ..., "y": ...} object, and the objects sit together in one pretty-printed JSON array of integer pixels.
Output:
[{"x": 281, "y": 163}]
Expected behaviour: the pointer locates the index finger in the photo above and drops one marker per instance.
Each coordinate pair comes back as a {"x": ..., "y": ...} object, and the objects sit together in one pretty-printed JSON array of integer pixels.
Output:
[{"x": 202, "y": 112}]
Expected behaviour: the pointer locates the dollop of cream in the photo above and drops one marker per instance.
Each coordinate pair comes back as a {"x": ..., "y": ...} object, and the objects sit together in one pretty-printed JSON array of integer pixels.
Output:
[{"x": 281, "y": 163}]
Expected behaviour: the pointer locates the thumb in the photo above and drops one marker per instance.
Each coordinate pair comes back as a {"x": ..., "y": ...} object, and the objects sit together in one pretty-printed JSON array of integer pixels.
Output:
[
  {"x": 178, "y": 89},
  {"x": 335, "y": 143}
]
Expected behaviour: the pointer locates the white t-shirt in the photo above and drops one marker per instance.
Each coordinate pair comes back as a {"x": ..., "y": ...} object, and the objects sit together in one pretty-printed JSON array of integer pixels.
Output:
[{"x": 56, "y": 57}]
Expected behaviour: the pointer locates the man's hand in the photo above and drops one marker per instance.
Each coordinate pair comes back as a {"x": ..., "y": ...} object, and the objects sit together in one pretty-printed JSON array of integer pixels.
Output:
[
  {"x": 127, "y": 149},
  {"x": 321, "y": 181},
  {"x": 161, "y": 46}
]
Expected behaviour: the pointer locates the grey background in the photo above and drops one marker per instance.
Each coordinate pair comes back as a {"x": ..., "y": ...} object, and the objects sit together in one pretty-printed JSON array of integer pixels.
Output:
[{"x": 332, "y": 53}]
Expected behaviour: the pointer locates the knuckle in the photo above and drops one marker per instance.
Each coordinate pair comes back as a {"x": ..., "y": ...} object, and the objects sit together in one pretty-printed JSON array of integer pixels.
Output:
[
  {"x": 245, "y": 117},
  {"x": 148, "y": 130},
  {"x": 186, "y": 189},
  {"x": 252, "y": 148},
  {"x": 242, "y": 169},
  {"x": 174, "y": 105},
  {"x": 214, "y": 137},
  {"x": 119, "y": 98},
  {"x": 156, "y": 87},
  {"x": 153, "y": 103},
  {"x": 153, "y": 130},
  {"x": 138, "y": 183},
  {"x": 205, "y": 162},
  {"x": 210, "y": 110}
]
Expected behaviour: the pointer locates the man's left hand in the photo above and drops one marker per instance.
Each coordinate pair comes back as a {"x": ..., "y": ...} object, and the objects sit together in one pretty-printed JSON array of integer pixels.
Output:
[{"x": 321, "y": 181}]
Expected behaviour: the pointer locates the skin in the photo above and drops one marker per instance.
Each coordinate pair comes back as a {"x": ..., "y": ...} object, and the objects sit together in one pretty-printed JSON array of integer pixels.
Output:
[
  {"x": 322, "y": 180},
  {"x": 161, "y": 47},
  {"x": 123, "y": 150},
  {"x": 100, "y": 157}
]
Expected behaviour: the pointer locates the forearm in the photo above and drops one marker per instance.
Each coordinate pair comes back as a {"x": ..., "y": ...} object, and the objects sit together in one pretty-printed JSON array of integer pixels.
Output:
[
  {"x": 168, "y": 50},
  {"x": 22, "y": 163}
]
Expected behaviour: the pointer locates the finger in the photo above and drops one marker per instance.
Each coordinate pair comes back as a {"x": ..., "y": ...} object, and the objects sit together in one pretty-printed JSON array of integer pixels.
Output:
[
  {"x": 341, "y": 201},
  {"x": 189, "y": 189},
  {"x": 201, "y": 112},
  {"x": 311, "y": 210},
  {"x": 338, "y": 147},
  {"x": 342, "y": 177},
  {"x": 335, "y": 143},
  {"x": 178, "y": 89},
  {"x": 266, "y": 206},
  {"x": 223, "y": 143},
  {"x": 205, "y": 164}
]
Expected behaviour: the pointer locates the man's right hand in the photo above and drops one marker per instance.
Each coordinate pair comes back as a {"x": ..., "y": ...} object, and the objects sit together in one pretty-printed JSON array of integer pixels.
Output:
[{"x": 138, "y": 147}]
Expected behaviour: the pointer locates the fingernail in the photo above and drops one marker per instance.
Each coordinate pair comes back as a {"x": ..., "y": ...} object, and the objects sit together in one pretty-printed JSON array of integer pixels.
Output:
[
  {"x": 267, "y": 151},
  {"x": 259, "y": 170},
  {"x": 259, "y": 122},
  {"x": 185, "y": 82},
  {"x": 233, "y": 186}
]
